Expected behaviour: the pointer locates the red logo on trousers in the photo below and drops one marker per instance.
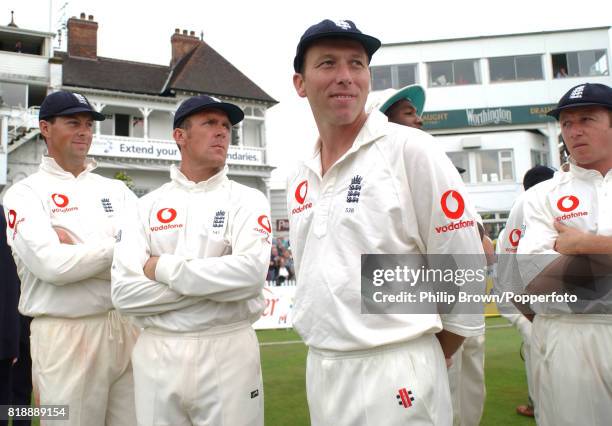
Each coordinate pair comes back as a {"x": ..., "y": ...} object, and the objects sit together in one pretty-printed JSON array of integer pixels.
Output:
[{"x": 405, "y": 397}]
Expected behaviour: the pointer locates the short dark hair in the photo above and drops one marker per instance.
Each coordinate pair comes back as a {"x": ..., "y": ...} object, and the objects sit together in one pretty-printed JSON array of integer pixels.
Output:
[{"x": 185, "y": 124}]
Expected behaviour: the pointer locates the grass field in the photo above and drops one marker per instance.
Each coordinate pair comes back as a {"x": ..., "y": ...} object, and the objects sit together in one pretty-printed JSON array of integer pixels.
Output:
[
  {"x": 284, "y": 383},
  {"x": 283, "y": 359}
]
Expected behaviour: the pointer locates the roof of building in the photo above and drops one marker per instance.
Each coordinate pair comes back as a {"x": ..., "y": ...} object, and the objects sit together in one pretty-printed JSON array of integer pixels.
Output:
[
  {"x": 480, "y": 37},
  {"x": 206, "y": 71},
  {"x": 113, "y": 74},
  {"x": 203, "y": 70}
]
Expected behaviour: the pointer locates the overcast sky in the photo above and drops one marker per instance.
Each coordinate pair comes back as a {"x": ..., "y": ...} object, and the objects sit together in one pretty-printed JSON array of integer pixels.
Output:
[{"x": 259, "y": 38}]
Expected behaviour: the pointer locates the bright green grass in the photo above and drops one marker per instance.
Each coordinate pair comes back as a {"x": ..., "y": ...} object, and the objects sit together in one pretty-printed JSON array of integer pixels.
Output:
[{"x": 284, "y": 382}]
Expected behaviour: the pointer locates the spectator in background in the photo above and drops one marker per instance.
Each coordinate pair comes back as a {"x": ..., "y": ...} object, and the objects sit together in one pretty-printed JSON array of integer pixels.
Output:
[
  {"x": 273, "y": 266},
  {"x": 283, "y": 272},
  {"x": 562, "y": 73},
  {"x": 289, "y": 264}
]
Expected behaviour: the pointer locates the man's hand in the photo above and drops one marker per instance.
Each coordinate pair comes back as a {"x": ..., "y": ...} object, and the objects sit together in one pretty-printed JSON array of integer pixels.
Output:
[
  {"x": 149, "y": 267},
  {"x": 569, "y": 240},
  {"x": 64, "y": 236},
  {"x": 450, "y": 342}
]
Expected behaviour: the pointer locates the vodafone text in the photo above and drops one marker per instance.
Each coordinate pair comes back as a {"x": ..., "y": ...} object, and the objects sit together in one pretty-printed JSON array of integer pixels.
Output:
[
  {"x": 570, "y": 216},
  {"x": 300, "y": 209},
  {"x": 454, "y": 226},
  {"x": 164, "y": 227},
  {"x": 66, "y": 210}
]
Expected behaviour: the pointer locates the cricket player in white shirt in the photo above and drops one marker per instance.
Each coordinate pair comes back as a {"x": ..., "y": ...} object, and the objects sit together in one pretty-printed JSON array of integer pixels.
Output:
[
  {"x": 508, "y": 278},
  {"x": 567, "y": 222},
  {"x": 371, "y": 187},
  {"x": 190, "y": 267},
  {"x": 62, "y": 226}
]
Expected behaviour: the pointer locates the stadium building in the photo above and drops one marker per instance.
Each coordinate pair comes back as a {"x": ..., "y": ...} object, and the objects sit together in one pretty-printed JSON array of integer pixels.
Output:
[{"x": 487, "y": 99}]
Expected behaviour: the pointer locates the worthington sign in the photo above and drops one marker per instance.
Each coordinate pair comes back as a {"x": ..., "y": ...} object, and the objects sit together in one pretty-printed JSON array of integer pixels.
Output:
[{"x": 483, "y": 117}]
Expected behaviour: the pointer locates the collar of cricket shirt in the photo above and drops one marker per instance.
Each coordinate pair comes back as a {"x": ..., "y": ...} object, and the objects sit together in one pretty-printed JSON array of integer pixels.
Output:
[
  {"x": 49, "y": 165},
  {"x": 374, "y": 128},
  {"x": 207, "y": 185}
]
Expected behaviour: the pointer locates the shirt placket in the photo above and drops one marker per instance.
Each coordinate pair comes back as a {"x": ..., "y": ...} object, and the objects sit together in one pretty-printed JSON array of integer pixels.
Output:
[
  {"x": 324, "y": 203},
  {"x": 604, "y": 215}
]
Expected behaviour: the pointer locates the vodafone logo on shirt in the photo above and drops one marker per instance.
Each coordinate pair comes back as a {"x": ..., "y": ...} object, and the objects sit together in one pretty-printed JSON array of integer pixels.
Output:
[
  {"x": 61, "y": 201},
  {"x": 514, "y": 237},
  {"x": 12, "y": 221},
  {"x": 452, "y": 204},
  {"x": 12, "y": 217},
  {"x": 300, "y": 196},
  {"x": 165, "y": 216},
  {"x": 301, "y": 191},
  {"x": 567, "y": 204},
  {"x": 265, "y": 223},
  {"x": 453, "y": 207},
  {"x": 265, "y": 227}
]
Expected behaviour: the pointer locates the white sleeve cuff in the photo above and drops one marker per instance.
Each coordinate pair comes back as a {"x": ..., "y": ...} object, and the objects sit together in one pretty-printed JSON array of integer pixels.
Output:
[{"x": 166, "y": 266}]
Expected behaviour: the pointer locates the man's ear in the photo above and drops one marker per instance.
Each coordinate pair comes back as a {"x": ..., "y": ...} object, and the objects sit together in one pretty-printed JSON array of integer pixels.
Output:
[
  {"x": 298, "y": 83},
  {"x": 179, "y": 136},
  {"x": 43, "y": 125}
]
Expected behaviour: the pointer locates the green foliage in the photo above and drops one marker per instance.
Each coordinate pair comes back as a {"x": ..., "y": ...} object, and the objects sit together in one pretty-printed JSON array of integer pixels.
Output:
[{"x": 125, "y": 178}]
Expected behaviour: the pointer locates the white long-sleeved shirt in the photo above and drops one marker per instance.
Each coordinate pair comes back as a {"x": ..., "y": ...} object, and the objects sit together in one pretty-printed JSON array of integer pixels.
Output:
[
  {"x": 213, "y": 239},
  {"x": 581, "y": 199},
  {"x": 64, "y": 280},
  {"x": 387, "y": 195}
]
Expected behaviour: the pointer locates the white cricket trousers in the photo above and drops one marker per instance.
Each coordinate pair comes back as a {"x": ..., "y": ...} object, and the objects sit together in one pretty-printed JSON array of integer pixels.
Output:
[
  {"x": 399, "y": 384},
  {"x": 210, "y": 377},
  {"x": 573, "y": 372},
  {"x": 467, "y": 382},
  {"x": 85, "y": 363}
]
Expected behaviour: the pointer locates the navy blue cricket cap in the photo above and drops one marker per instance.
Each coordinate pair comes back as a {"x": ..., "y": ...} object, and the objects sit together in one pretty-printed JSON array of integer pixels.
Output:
[
  {"x": 333, "y": 29},
  {"x": 66, "y": 103},
  {"x": 536, "y": 175},
  {"x": 586, "y": 94},
  {"x": 198, "y": 103}
]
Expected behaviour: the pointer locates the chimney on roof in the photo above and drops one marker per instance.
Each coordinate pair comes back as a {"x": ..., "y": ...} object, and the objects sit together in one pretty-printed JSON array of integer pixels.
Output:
[
  {"x": 182, "y": 44},
  {"x": 12, "y": 23},
  {"x": 83, "y": 37}
]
